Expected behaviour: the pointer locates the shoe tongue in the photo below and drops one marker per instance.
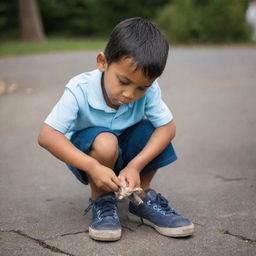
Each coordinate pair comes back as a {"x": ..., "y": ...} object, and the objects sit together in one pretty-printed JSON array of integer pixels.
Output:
[
  {"x": 106, "y": 196},
  {"x": 109, "y": 218},
  {"x": 150, "y": 195}
]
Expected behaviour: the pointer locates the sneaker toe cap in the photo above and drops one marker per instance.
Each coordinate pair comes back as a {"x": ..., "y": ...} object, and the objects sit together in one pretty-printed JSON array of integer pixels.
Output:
[
  {"x": 107, "y": 225},
  {"x": 179, "y": 221}
]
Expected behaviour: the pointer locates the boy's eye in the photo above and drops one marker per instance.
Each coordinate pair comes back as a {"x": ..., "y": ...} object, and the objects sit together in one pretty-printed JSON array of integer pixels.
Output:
[
  {"x": 123, "y": 83},
  {"x": 142, "y": 88}
]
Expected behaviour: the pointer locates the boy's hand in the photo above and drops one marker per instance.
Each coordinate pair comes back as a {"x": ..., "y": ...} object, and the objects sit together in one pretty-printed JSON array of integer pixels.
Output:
[
  {"x": 131, "y": 176},
  {"x": 105, "y": 178}
]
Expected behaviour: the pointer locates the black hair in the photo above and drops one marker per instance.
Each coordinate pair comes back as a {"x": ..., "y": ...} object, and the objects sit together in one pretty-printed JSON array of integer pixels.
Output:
[{"x": 141, "y": 40}]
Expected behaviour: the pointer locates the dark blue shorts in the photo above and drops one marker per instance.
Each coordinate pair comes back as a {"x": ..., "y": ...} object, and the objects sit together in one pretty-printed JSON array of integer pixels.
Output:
[{"x": 131, "y": 142}]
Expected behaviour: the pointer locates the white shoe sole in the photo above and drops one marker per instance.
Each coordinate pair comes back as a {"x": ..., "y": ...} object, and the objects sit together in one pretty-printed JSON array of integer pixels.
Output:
[
  {"x": 172, "y": 232},
  {"x": 105, "y": 235}
]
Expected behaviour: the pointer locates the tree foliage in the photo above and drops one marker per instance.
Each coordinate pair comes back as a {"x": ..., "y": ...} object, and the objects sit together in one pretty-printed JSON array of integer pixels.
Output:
[
  {"x": 90, "y": 17},
  {"x": 205, "y": 20},
  {"x": 183, "y": 21},
  {"x": 9, "y": 22}
]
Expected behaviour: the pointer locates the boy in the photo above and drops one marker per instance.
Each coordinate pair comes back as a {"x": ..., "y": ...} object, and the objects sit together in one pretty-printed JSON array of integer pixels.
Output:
[{"x": 112, "y": 128}]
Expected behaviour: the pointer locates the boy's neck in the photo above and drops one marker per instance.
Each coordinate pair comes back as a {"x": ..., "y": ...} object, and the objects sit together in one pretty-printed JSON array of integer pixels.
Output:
[{"x": 105, "y": 94}]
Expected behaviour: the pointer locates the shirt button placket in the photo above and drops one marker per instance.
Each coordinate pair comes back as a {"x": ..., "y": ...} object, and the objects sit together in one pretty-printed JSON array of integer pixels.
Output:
[{"x": 113, "y": 119}]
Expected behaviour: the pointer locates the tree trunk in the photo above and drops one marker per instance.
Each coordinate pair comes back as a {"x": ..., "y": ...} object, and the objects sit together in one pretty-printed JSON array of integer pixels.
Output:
[{"x": 30, "y": 21}]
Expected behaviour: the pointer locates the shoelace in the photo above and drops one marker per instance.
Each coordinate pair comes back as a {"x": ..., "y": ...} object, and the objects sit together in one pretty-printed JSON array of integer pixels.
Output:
[
  {"x": 89, "y": 206},
  {"x": 163, "y": 203},
  {"x": 105, "y": 206}
]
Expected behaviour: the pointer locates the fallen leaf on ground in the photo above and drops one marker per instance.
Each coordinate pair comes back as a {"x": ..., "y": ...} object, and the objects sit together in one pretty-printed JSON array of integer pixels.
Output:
[
  {"x": 12, "y": 88},
  {"x": 28, "y": 90},
  {"x": 2, "y": 87}
]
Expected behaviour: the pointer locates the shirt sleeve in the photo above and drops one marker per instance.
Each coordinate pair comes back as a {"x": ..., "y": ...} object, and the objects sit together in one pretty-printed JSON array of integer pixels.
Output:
[
  {"x": 156, "y": 110},
  {"x": 65, "y": 112}
]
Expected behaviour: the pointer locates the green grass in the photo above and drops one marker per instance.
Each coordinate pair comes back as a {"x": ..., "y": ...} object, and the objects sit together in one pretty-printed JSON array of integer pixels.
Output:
[
  {"x": 12, "y": 47},
  {"x": 8, "y": 48}
]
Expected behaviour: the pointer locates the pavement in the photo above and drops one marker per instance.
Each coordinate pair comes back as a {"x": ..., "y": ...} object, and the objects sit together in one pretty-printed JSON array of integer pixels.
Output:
[{"x": 212, "y": 94}]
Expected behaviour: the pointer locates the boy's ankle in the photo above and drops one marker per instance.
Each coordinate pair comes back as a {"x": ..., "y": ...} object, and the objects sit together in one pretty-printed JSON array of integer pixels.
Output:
[
  {"x": 142, "y": 194},
  {"x": 95, "y": 196}
]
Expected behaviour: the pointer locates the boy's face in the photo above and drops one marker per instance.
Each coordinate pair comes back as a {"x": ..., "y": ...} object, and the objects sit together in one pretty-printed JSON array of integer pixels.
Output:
[{"x": 122, "y": 83}]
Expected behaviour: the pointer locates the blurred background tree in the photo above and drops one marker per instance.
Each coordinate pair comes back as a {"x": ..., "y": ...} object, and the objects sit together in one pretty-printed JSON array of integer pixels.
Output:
[
  {"x": 30, "y": 21},
  {"x": 9, "y": 21},
  {"x": 90, "y": 17},
  {"x": 186, "y": 21},
  {"x": 205, "y": 21}
]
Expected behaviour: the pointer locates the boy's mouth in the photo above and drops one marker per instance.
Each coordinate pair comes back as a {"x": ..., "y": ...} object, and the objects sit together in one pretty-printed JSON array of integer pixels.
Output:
[{"x": 120, "y": 102}]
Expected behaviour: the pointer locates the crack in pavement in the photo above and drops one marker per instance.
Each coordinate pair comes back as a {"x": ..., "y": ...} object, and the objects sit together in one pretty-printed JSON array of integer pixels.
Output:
[
  {"x": 74, "y": 233},
  {"x": 230, "y": 179},
  {"x": 128, "y": 228},
  {"x": 40, "y": 242},
  {"x": 248, "y": 240},
  {"x": 199, "y": 224}
]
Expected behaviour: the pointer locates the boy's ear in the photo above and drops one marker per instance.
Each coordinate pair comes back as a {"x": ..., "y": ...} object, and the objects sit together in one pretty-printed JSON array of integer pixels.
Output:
[{"x": 101, "y": 62}]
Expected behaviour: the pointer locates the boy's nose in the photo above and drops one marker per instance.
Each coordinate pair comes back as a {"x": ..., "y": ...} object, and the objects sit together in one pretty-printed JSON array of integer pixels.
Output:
[{"x": 129, "y": 94}]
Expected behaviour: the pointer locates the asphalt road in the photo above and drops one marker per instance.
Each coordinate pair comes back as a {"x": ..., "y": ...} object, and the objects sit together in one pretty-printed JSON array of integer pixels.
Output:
[{"x": 212, "y": 94}]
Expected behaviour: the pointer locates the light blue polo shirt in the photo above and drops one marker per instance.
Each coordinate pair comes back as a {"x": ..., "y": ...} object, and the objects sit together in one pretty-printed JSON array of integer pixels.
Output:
[{"x": 82, "y": 105}]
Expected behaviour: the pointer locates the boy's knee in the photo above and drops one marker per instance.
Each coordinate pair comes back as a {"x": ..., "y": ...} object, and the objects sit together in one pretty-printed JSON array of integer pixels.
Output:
[{"x": 106, "y": 145}]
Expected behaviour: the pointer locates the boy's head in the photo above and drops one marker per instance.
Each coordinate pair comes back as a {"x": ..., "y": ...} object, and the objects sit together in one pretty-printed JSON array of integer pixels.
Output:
[
  {"x": 142, "y": 41},
  {"x": 134, "y": 57}
]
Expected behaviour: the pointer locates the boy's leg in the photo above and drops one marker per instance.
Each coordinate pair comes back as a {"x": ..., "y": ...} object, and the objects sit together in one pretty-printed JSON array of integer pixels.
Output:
[
  {"x": 105, "y": 225},
  {"x": 145, "y": 180},
  {"x": 154, "y": 209},
  {"x": 105, "y": 150},
  {"x": 101, "y": 144},
  {"x": 135, "y": 138}
]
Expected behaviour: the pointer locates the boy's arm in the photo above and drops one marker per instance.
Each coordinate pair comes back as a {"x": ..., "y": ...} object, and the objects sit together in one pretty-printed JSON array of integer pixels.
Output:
[
  {"x": 158, "y": 141},
  {"x": 57, "y": 144}
]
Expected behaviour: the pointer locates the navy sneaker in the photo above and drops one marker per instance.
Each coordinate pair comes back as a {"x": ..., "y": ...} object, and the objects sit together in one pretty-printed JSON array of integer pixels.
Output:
[
  {"x": 105, "y": 225},
  {"x": 155, "y": 212}
]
